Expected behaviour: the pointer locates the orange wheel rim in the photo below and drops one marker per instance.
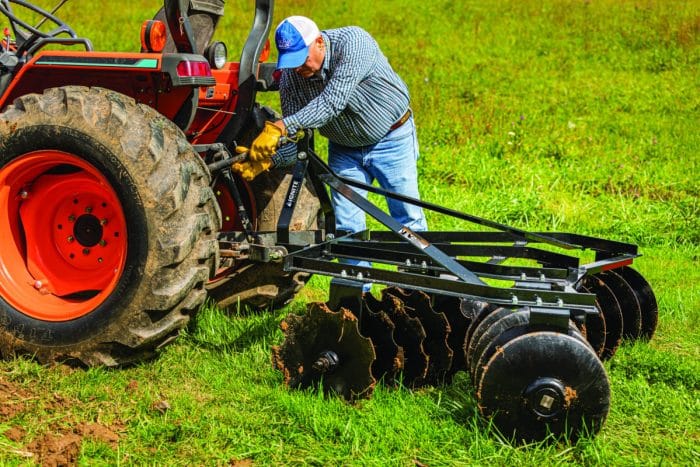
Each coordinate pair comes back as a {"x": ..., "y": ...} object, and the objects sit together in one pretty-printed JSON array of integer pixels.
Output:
[{"x": 64, "y": 237}]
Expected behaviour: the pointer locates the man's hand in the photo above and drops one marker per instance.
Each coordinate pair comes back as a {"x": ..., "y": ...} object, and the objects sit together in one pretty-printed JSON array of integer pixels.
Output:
[
  {"x": 265, "y": 145},
  {"x": 250, "y": 169}
]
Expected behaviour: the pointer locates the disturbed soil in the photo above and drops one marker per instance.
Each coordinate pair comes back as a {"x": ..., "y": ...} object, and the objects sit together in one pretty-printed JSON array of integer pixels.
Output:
[{"x": 60, "y": 440}]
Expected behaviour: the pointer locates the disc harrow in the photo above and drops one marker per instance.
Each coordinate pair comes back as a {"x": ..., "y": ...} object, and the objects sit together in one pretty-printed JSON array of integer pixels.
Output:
[
  {"x": 529, "y": 325},
  {"x": 409, "y": 334},
  {"x": 390, "y": 360},
  {"x": 544, "y": 382},
  {"x": 435, "y": 327},
  {"x": 324, "y": 349},
  {"x": 459, "y": 313},
  {"x": 530, "y": 376}
]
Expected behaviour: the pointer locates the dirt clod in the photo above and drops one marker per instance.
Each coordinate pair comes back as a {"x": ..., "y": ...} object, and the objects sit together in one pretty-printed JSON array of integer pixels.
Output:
[
  {"x": 54, "y": 450},
  {"x": 161, "y": 406},
  {"x": 16, "y": 433}
]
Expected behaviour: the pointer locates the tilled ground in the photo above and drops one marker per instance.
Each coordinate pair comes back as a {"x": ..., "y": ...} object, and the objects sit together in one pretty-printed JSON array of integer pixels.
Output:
[{"x": 59, "y": 442}]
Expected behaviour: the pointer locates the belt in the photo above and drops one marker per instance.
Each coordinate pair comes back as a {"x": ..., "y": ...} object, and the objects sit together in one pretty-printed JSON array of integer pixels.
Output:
[{"x": 404, "y": 118}]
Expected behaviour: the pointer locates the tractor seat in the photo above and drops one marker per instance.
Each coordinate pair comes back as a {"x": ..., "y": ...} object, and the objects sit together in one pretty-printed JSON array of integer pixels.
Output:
[{"x": 203, "y": 20}]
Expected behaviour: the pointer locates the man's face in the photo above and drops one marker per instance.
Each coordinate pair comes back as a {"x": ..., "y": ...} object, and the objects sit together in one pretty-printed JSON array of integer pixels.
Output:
[{"x": 314, "y": 61}]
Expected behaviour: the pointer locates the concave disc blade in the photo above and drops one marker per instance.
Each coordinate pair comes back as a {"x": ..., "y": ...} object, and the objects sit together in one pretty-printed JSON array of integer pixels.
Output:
[
  {"x": 484, "y": 324},
  {"x": 544, "y": 382},
  {"x": 311, "y": 337},
  {"x": 417, "y": 305},
  {"x": 479, "y": 353},
  {"x": 594, "y": 327},
  {"x": 377, "y": 325},
  {"x": 631, "y": 312},
  {"x": 645, "y": 297},
  {"x": 409, "y": 334},
  {"x": 507, "y": 328},
  {"x": 611, "y": 311},
  {"x": 460, "y": 312}
]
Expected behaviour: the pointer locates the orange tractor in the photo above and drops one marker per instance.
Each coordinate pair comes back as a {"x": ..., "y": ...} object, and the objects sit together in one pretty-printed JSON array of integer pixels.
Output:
[{"x": 120, "y": 214}]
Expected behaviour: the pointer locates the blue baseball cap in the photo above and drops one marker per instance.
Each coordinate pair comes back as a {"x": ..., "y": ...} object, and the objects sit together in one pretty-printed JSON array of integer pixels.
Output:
[{"x": 293, "y": 37}]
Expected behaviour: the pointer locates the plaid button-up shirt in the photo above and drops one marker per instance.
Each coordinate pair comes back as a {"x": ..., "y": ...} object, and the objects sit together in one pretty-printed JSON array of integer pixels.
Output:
[{"x": 355, "y": 99}]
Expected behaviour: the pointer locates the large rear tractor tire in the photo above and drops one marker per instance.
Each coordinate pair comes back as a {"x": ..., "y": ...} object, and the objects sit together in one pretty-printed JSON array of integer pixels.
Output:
[
  {"x": 108, "y": 228},
  {"x": 263, "y": 286}
]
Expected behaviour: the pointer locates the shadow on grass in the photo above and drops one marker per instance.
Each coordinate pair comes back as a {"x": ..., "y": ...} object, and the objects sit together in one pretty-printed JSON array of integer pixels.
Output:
[{"x": 234, "y": 329}]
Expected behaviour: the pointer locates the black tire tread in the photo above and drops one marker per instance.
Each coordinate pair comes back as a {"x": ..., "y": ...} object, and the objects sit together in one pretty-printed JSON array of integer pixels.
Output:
[{"x": 182, "y": 216}]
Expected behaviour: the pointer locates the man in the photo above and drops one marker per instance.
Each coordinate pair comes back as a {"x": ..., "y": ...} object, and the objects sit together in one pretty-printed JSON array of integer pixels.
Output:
[{"x": 339, "y": 82}]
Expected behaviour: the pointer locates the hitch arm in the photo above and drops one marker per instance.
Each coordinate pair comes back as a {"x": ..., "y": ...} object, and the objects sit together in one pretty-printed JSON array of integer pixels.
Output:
[{"x": 326, "y": 175}]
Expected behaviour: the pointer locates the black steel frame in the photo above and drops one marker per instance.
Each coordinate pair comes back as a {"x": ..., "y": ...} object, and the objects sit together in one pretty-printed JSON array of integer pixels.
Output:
[{"x": 430, "y": 261}]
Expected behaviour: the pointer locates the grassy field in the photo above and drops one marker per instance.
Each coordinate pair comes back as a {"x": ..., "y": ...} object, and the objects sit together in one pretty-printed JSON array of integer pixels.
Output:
[{"x": 579, "y": 116}]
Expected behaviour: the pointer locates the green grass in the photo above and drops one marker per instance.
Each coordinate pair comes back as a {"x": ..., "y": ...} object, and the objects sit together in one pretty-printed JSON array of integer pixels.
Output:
[{"x": 579, "y": 116}]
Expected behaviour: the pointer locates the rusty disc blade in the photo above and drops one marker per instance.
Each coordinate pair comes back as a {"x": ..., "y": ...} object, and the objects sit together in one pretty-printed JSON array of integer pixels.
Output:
[
  {"x": 377, "y": 325},
  {"x": 611, "y": 311},
  {"x": 417, "y": 305},
  {"x": 409, "y": 334},
  {"x": 325, "y": 349},
  {"x": 629, "y": 305},
  {"x": 645, "y": 297},
  {"x": 544, "y": 382}
]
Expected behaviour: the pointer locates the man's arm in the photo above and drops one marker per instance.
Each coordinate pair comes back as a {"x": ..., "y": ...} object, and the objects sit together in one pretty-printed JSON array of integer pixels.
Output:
[{"x": 357, "y": 54}]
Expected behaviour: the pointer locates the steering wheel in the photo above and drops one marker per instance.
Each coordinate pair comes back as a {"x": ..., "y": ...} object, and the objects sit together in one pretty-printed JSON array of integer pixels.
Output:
[{"x": 29, "y": 38}]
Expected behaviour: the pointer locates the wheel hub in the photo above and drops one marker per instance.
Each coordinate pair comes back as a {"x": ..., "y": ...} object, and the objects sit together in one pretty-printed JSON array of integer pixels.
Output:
[
  {"x": 546, "y": 397},
  {"x": 64, "y": 239},
  {"x": 88, "y": 230}
]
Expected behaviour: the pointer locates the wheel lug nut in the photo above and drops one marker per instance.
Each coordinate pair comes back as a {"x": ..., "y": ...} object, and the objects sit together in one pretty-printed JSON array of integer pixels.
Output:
[
  {"x": 88, "y": 209},
  {"x": 86, "y": 251},
  {"x": 71, "y": 218},
  {"x": 103, "y": 243},
  {"x": 38, "y": 285},
  {"x": 103, "y": 221},
  {"x": 70, "y": 239}
]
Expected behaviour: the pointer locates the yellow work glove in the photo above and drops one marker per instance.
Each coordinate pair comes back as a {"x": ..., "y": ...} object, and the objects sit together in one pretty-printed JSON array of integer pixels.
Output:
[
  {"x": 265, "y": 145},
  {"x": 250, "y": 169}
]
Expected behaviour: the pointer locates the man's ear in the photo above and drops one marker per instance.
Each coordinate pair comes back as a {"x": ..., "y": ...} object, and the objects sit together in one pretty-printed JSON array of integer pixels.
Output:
[{"x": 319, "y": 43}]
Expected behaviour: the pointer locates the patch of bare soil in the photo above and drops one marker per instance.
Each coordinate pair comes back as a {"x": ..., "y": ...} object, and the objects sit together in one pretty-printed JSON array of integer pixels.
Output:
[
  {"x": 15, "y": 433},
  {"x": 52, "y": 450},
  {"x": 60, "y": 445},
  {"x": 13, "y": 400},
  {"x": 63, "y": 448}
]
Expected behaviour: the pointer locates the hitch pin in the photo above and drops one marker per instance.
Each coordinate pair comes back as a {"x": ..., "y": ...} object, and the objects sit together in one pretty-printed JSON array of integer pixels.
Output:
[{"x": 181, "y": 20}]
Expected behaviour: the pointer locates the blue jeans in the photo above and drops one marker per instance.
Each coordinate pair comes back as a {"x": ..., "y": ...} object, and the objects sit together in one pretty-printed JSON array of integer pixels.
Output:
[{"x": 392, "y": 163}]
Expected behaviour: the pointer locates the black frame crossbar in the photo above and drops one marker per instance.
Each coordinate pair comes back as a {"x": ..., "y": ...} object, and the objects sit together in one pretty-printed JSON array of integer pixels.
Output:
[{"x": 464, "y": 264}]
